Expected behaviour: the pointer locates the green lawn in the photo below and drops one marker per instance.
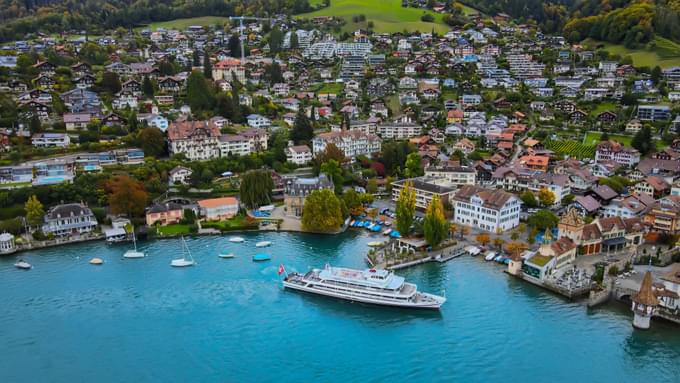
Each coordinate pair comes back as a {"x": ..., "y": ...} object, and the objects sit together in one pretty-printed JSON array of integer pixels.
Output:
[
  {"x": 176, "y": 229},
  {"x": 388, "y": 16},
  {"x": 666, "y": 54},
  {"x": 393, "y": 104},
  {"x": 240, "y": 222},
  {"x": 467, "y": 10},
  {"x": 12, "y": 185},
  {"x": 331, "y": 87},
  {"x": 540, "y": 260},
  {"x": 592, "y": 138},
  {"x": 603, "y": 107},
  {"x": 184, "y": 23}
]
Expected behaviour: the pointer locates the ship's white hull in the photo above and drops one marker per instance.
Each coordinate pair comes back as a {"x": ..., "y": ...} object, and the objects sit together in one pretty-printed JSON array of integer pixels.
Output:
[
  {"x": 435, "y": 302},
  {"x": 134, "y": 254}
]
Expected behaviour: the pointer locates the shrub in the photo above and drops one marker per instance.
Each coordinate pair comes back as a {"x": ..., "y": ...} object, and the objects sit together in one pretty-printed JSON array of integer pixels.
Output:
[
  {"x": 427, "y": 18},
  {"x": 12, "y": 226}
]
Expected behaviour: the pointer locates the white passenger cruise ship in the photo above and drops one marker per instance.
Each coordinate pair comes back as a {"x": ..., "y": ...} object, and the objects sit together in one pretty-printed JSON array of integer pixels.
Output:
[{"x": 380, "y": 287}]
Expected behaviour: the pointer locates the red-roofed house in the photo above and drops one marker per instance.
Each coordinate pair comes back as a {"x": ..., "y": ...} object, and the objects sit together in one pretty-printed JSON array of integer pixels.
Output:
[{"x": 218, "y": 209}]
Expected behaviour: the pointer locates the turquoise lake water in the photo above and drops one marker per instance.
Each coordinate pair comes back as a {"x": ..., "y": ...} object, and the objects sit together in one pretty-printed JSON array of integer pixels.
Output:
[{"x": 229, "y": 320}]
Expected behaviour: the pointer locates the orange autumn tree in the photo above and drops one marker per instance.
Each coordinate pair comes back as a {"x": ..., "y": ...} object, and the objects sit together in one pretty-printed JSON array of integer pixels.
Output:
[
  {"x": 482, "y": 239},
  {"x": 515, "y": 248},
  {"x": 127, "y": 196}
]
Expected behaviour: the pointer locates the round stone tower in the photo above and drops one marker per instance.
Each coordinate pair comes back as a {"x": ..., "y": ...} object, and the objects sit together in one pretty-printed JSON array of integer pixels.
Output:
[{"x": 644, "y": 303}]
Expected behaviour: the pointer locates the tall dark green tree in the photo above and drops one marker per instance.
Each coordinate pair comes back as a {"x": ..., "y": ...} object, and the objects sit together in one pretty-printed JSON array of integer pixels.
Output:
[
  {"x": 642, "y": 141},
  {"x": 224, "y": 106},
  {"x": 302, "y": 129},
  {"x": 237, "y": 115},
  {"x": 333, "y": 170},
  {"x": 207, "y": 66},
  {"x": 132, "y": 122},
  {"x": 394, "y": 155},
  {"x": 147, "y": 87},
  {"x": 167, "y": 68},
  {"x": 196, "y": 58},
  {"x": 34, "y": 124},
  {"x": 275, "y": 41},
  {"x": 657, "y": 74},
  {"x": 111, "y": 82},
  {"x": 274, "y": 73},
  {"x": 151, "y": 141},
  {"x": 294, "y": 44},
  {"x": 256, "y": 188},
  {"x": 199, "y": 94},
  {"x": 234, "y": 45}
]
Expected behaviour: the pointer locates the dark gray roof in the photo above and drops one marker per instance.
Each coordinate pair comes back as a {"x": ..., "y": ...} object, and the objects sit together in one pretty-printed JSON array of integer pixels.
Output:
[
  {"x": 160, "y": 208},
  {"x": 68, "y": 210},
  {"x": 422, "y": 183},
  {"x": 605, "y": 192},
  {"x": 304, "y": 186}
]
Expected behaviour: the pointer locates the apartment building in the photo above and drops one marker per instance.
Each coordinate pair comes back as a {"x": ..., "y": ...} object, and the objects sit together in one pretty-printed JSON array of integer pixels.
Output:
[{"x": 486, "y": 209}]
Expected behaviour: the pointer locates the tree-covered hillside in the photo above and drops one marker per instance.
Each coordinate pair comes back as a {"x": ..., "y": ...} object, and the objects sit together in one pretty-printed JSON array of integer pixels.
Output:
[
  {"x": 633, "y": 23},
  {"x": 19, "y": 17}
]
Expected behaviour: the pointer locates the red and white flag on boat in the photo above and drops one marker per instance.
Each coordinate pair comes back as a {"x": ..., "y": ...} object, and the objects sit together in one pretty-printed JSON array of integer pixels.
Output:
[{"x": 281, "y": 269}]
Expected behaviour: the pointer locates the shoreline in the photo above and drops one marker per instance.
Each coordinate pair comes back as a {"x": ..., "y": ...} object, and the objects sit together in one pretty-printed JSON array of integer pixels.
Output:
[{"x": 23, "y": 249}]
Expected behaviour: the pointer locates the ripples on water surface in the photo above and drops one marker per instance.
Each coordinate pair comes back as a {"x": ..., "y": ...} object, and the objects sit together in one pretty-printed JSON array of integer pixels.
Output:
[{"x": 228, "y": 320}]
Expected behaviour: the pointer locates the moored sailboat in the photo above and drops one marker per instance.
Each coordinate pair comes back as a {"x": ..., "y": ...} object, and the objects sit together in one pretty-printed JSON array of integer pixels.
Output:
[{"x": 186, "y": 260}]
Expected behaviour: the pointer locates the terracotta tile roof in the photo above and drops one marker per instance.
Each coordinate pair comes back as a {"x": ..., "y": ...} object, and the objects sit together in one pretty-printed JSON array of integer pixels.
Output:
[
  {"x": 215, "y": 202},
  {"x": 610, "y": 223},
  {"x": 633, "y": 225},
  {"x": 658, "y": 183},
  {"x": 505, "y": 145},
  {"x": 591, "y": 232},
  {"x": 673, "y": 275},
  {"x": 562, "y": 246},
  {"x": 185, "y": 129},
  {"x": 541, "y": 161},
  {"x": 530, "y": 142}
]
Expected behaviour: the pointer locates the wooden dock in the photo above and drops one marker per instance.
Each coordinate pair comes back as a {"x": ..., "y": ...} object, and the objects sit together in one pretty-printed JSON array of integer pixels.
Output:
[
  {"x": 441, "y": 257},
  {"x": 453, "y": 253}
]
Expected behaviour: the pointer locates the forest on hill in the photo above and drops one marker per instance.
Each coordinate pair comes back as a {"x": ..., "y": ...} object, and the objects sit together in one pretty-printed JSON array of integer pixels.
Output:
[
  {"x": 19, "y": 17},
  {"x": 633, "y": 23}
]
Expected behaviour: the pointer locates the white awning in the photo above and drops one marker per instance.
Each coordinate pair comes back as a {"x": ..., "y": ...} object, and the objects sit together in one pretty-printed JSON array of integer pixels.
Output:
[{"x": 115, "y": 232}]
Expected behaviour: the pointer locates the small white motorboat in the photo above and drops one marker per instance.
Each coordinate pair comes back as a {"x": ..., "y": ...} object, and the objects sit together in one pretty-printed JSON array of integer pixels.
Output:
[
  {"x": 387, "y": 232},
  {"x": 186, "y": 260},
  {"x": 96, "y": 261},
  {"x": 236, "y": 240},
  {"x": 23, "y": 265},
  {"x": 263, "y": 244},
  {"x": 375, "y": 243},
  {"x": 226, "y": 255},
  {"x": 490, "y": 256}
]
